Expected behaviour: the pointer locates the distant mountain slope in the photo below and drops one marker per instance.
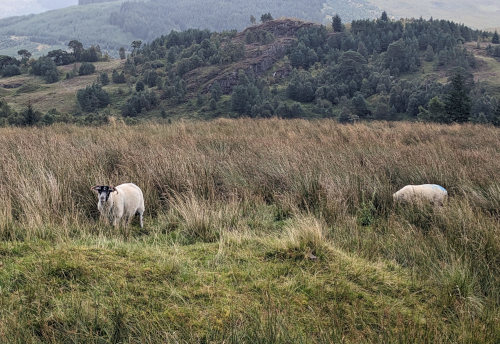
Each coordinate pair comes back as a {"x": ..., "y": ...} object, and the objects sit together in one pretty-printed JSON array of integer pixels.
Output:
[
  {"x": 286, "y": 67},
  {"x": 87, "y": 2},
  {"x": 117, "y": 23},
  {"x": 53, "y": 29},
  {"x": 23, "y": 7},
  {"x": 150, "y": 19},
  {"x": 480, "y": 13}
]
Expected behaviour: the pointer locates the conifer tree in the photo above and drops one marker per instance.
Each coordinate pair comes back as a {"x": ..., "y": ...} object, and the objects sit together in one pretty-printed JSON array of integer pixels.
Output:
[
  {"x": 495, "y": 39},
  {"x": 429, "y": 54},
  {"x": 337, "y": 24},
  {"x": 31, "y": 117},
  {"x": 496, "y": 116},
  {"x": 122, "y": 53},
  {"x": 457, "y": 102},
  {"x": 362, "y": 49},
  {"x": 266, "y": 17}
]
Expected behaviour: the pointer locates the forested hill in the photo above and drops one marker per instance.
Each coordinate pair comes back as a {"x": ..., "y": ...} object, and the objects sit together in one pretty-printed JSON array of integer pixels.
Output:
[
  {"x": 418, "y": 70},
  {"x": 148, "y": 20},
  {"x": 113, "y": 24}
]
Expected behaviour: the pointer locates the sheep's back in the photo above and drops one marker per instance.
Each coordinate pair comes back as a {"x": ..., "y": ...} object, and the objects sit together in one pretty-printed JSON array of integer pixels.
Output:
[
  {"x": 431, "y": 192},
  {"x": 132, "y": 196}
]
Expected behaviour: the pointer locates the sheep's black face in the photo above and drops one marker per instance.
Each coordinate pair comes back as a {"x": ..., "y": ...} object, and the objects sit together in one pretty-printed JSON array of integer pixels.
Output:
[{"x": 103, "y": 192}]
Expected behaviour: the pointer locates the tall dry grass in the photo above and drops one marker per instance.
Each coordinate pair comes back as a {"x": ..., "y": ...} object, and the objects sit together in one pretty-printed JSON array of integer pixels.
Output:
[
  {"x": 204, "y": 179},
  {"x": 318, "y": 166}
]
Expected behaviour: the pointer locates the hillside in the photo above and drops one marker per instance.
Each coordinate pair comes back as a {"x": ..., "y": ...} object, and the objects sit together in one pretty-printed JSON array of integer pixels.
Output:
[
  {"x": 24, "y": 7},
  {"x": 479, "y": 14},
  {"x": 113, "y": 24},
  {"x": 54, "y": 29},
  {"x": 286, "y": 68},
  {"x": 257, "y": 231}
]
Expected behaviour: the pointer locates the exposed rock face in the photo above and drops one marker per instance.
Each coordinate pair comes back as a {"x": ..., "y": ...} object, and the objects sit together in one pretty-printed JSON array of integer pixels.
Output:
[
  {"x": 12, "y": 85},
  {"x": 279, "y": 28},
  {"x": 258, "y": 60}
]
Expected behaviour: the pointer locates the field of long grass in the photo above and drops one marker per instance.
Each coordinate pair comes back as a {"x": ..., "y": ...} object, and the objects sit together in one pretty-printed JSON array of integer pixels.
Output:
[{"x": 256, "y": 231}]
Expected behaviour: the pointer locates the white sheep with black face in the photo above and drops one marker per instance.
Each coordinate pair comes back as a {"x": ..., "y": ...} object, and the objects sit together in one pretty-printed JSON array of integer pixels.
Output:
[
  {"x": 433, "y": 193},
  {"x": 121, "y": 203}
]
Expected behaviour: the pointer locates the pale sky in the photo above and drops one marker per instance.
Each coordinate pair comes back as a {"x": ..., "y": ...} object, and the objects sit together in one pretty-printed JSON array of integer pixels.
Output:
[{"x": 9, "y": 8}]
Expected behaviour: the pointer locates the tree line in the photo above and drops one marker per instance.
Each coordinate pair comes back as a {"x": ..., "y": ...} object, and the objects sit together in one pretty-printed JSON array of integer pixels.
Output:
[{"x": 374, "y": 69}]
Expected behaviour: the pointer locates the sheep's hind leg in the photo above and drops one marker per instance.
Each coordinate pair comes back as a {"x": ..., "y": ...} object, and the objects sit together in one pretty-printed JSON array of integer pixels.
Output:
[{"x": 141, "y": 218}]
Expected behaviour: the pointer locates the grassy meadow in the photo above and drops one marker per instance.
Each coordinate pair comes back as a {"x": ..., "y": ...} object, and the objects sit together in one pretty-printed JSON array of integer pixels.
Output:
[
  {"x": 22, "y": 90},
  {"x": 256, "y": 231}
]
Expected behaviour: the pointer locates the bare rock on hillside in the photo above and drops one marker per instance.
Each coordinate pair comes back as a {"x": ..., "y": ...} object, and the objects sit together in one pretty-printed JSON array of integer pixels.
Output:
[{"x": 259, "y": 58}]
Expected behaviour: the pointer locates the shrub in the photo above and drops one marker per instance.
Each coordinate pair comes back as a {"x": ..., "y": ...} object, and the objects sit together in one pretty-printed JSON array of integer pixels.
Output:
[
  {"x": 47, "y": 68},
  {"x": 118, "y": 78},
  {"x": 104, "y": 78},
  {"x": 139, "y": 86},
  {"x": 301, "y": 87},
  {"x": 86, "y": 68},
  {"x": 92, "y": 98},
  {"x": 10, "y": 70},
  {"x": 51, "y": 76},
  {"x": 139, "y": 102}
]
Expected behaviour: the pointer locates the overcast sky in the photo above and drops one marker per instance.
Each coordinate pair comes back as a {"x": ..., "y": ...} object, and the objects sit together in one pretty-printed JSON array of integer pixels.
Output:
[{"x": 9, "y": 8}]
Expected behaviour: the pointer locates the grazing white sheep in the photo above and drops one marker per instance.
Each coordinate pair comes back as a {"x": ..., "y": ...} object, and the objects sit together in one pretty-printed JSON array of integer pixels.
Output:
[
  {"x": 120, "y": 203},
  {"x": 433, "y": 193}
]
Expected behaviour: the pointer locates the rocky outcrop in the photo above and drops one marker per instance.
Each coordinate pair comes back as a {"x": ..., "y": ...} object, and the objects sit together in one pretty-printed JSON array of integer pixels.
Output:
[
  {"x": 279, "y": 28},
  {"x": 259, "y": 58},
  {"x": 12, "y": 85}
]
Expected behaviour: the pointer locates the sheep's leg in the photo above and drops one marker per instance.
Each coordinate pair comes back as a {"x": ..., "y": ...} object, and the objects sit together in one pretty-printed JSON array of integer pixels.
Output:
[
  {"x": 140, "y": 218},
  {"x": 126, "y": 220}
]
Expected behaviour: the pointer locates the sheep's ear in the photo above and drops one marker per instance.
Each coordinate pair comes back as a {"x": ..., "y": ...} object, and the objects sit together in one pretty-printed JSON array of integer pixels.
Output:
[
  {"x": 112, "y": 188},
  {"x": 94, "y": 188}
]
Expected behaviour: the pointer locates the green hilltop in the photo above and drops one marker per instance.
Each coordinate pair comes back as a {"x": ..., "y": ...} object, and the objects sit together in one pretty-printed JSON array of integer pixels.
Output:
[
  {"x": 116, "y": 23},
  {"x": 369, "y": 69},
  {"x": 113, "y": 24}
]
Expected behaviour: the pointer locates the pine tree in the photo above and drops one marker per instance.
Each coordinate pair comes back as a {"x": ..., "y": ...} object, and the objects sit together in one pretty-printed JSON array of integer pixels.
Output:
[
  {"x": 429, "y": 54},
  {"x": 359, "y": 106},
  {"x": 139, "y": 86},
  {"x": 384, "y": 16},
  {"x": 266, "y": 17},
  {"x": 213, "y": 104},
  {"x": 253, "y": 20},
  {"x": 362, "y": 49},
  {"x": 136, "y": 45},
  {"x": 495, "y": 39},
  {"x": 496, "y": 116},
  {"x": 31, "y": 117},
  {"x": 337, "y": 24},
  {"x": 436, "y": 111},
  {"x": 104, "y": 79},
  {"x": 122, "y": 53},
  {"x": 199, "y": 99},
  {"x": 457, "y": 102},
  {"x": 216, "y": 91}
]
